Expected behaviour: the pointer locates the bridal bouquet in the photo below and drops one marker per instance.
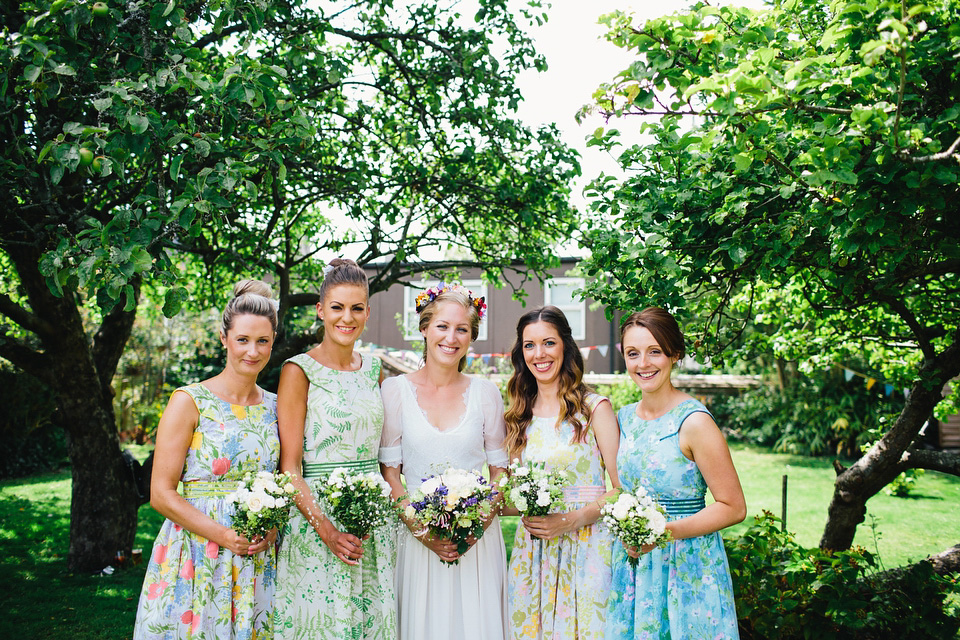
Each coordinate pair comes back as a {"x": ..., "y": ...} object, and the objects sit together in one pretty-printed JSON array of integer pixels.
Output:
[
  {"x": 453, "y": 505},
  {"x": 263, "y": 500},
  {"x": 637, "y": 520},
  {"x": 360, "y": 502},
  {"x": 532, "y": 489}
]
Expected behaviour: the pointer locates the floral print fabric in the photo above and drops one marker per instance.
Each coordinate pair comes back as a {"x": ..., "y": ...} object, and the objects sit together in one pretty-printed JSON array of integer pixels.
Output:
[
  {"x": 318, "y": 596},
  {"x": 558, "y": 588},
  {"x": 193, "y": 588},
  {"x": 683, "y": 591}
]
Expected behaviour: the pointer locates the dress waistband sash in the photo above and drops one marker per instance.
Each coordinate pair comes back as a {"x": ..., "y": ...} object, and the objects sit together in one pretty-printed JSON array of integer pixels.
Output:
[
  {"x": 582, "y": 493},
  {"x": 677, "y": 508},
  {"x": 324, "y": 469},
  {"x": 209, "y": 489}
]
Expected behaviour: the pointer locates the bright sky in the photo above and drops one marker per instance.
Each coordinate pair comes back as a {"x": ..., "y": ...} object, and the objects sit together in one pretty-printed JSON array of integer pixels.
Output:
[{"x": 579, "y": 61}]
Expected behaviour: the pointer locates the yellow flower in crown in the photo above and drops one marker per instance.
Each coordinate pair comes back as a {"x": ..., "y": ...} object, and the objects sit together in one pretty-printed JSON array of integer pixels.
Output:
[{"x": 429, "y": 295}]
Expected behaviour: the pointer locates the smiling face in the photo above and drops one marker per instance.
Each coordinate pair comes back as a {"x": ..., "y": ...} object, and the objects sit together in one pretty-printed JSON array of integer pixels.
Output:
[
  {"x": 543, "y": 351},
  {"x": 344, "y": 312},
  {"x": 248, "y": 343},
  {"x": 448, "y": 335},
  {"x": 647, "y": 362}
]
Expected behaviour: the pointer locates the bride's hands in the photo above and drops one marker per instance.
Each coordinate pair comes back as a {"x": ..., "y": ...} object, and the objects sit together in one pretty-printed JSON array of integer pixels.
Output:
[{"x": 444, "y": 548}]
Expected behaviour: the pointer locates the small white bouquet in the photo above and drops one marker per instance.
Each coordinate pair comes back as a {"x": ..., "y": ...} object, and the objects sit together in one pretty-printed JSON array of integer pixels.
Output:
[
  {"x": 636, "y": 519},
  {"x": 453, "y": 505},
  {"x": 263, "y": 500},
  {"x": 359, "y": 502},
  {"x": 532, "y": 489}
]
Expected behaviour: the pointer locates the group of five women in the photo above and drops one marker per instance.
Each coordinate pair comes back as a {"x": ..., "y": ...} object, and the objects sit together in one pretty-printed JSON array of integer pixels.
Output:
[{"x": 566, "y": 577}]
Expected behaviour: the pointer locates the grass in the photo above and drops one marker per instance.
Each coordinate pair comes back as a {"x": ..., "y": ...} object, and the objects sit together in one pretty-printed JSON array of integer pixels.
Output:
[{"x": 43, "y": 600}]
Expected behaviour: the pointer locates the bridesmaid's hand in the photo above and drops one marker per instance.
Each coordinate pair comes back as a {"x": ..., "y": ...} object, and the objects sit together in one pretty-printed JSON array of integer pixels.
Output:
[
  {"x": 235, "y": 542},
  {"x": 262, "y": 543},
  {"x": 348, "y": 548},
  {"x": 551, "y": 526},
  {"x": 634, "y": 552},
  {"x": 443, "y": 547}
]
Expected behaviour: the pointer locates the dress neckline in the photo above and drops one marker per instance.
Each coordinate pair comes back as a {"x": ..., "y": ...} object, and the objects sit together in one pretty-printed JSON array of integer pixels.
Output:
[
  {"x": 263, "y": 397},
  {"x": 423, "y": 414},
  {"x": 668, "y": 411},
  {"x": 363, "y": 363}
]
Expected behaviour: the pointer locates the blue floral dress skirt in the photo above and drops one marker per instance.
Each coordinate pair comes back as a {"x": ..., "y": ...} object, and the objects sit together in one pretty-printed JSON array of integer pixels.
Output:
[{"x": 683, "y": 591}]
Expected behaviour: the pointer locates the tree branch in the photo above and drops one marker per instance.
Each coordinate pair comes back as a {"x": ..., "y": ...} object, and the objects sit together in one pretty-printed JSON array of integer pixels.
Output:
[
  {"x": 936, "y": 157},
  {"x": 24, "y": 318},
  {"x": 27, "y": 359},
  {"x": 941, "y": 461}
]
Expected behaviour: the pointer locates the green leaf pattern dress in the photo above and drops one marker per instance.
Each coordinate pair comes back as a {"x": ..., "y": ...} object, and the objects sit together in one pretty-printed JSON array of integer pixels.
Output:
[{"x": 318, "y": 595}]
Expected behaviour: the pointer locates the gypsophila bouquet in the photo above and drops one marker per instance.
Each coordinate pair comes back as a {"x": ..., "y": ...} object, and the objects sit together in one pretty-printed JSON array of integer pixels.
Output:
[
  {"x": 532, "y": 489},
  {"x": 453, "y": 505},
  {"x": 263, "y": 502},
  {"x": 360, "y": 502},
  {"x": 636, "y": 519}
]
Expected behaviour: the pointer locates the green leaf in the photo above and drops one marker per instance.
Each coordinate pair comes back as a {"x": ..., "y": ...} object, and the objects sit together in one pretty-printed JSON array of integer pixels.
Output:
[
  {"x": 175, "y": 163},
  {"x": 137, "y": 122}
]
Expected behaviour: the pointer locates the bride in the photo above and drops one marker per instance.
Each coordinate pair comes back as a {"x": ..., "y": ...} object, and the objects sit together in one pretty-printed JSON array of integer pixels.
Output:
[{"x": 436, "y": 418}]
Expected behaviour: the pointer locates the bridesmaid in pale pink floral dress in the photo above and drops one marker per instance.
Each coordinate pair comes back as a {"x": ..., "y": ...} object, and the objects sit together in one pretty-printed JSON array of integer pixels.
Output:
[
  {"x": 559, "y": 573},
  {"x": 204, "y": 580}
]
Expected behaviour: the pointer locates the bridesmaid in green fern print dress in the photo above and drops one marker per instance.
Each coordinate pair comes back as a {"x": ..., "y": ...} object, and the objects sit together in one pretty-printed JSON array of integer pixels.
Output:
[
  {"x": 330, "y": 584},
  {"x": 205, "y": 581}
]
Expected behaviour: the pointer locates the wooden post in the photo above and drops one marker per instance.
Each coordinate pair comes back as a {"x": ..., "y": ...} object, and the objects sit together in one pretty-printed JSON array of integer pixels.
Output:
[{"x": 783, "y": 505}]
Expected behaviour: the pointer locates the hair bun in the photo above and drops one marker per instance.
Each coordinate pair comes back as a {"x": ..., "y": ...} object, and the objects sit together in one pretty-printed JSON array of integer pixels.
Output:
[{"x": 255, "y": 287}]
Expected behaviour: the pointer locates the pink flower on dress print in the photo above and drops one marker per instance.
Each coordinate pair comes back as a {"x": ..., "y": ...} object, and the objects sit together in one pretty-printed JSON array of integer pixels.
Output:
[
  {"x": 156, "y": 589},
  {"x": 221, "y": 466},
  {"x": 177, "y": 527},
  {"x": 212, "y": 549},
  {"x": 160, "y": 554},
  {"x": 186, "y": 572},
  {"x": 187, "y": 617},
  {"x": 233, "y": 613}
]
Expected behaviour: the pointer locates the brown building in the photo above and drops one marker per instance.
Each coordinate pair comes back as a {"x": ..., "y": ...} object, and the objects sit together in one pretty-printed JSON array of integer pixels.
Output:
[{"x": 597, "y": 337}]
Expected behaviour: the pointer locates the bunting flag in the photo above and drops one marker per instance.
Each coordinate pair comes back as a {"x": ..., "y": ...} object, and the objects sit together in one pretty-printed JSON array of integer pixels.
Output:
[
  {"x": 847, "y": 375},
  {"x": 585, "y": 352},
  {"x": 603, "y": 349}
]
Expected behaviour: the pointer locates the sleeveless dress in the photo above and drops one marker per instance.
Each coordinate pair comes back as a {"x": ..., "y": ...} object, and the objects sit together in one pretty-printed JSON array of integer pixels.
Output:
[
  {"x": 318, "y": 595},
  {"x": 682, "y": 591},
  {"x": 558, "y": 588},
  {"x": 437, "y": 601},
  {"x": 193, "y": 588}
]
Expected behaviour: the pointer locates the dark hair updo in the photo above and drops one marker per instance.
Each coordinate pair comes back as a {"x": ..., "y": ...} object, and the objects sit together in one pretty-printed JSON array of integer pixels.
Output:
[{"x": 250, "y": 296}]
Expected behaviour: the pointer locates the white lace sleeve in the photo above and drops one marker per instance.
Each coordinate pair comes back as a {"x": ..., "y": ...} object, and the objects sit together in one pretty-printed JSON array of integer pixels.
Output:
[
  {"x": 390, "y": 437},
  {"x": 494, "y": 428}
]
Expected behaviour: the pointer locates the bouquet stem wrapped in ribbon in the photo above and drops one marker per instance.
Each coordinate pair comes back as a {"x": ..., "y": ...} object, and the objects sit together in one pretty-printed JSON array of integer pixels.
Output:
[
  {"x": 263, "y": 502},
  {"x": 532, "y": 489},
  {"x": 636, "y": 519},
  {"x": 453, "y": 505},
  {"x": 358, "y": 502}
]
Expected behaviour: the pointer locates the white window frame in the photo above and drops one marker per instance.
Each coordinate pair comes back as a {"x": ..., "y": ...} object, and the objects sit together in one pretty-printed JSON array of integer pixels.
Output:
[
  {"x": 581, "y": 306},
  {"x": 410, "y": 307}
]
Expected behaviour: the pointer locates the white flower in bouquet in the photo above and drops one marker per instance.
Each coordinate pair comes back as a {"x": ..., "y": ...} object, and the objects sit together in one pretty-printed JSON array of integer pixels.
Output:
[
  {"x": 262, "y": 502},
  {"x": 532, "y": 489},
  {"x": 636, "y": 519}
]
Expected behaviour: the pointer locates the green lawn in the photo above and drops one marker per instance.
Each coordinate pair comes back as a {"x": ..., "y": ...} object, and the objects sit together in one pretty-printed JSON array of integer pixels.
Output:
[{"x": 43, "y": 600}]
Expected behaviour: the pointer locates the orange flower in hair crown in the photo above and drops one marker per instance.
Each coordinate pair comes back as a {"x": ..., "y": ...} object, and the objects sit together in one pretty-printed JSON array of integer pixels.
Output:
[{"x": 429, "y": 295}]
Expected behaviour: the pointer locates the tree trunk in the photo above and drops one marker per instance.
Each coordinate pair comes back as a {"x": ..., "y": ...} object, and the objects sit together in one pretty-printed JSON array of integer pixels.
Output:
[
  {"x": 103, "y": 509},
  {"x": 885, "y": 460}
]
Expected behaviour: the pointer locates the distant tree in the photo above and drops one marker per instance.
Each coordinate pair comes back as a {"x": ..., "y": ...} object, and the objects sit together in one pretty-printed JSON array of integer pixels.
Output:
[
  {"x": 802, "y": 178},
  {"x": 181, "y": 146}
]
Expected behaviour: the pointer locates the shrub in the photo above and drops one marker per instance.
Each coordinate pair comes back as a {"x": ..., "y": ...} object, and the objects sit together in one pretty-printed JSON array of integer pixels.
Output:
[
  {"x": 29, "y": 441},
  {"x": 786, "y": 591},
  {"x": 820, "y": 414}
]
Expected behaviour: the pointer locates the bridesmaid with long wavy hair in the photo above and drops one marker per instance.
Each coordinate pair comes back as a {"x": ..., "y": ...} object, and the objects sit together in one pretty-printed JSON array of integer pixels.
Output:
[{"x": 559, "y": 573}]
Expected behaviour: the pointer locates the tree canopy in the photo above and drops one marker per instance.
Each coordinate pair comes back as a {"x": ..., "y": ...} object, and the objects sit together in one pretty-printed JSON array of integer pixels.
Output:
[
  {"x": 800, "y": 187},
  {"x": 180, "y": 146}
]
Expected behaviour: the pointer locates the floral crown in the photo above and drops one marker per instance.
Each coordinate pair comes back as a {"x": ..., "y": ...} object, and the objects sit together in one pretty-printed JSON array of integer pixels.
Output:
[{"x": 429, "y": 295}]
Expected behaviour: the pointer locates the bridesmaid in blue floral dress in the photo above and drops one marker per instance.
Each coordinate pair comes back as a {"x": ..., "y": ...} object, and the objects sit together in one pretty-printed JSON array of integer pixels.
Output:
[
  {"x": 671, "y": 445},
  {"x": 205, "y": 581}
]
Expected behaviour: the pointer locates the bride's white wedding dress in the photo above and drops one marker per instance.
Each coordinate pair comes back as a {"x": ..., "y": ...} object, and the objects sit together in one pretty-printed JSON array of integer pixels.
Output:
[{"x": 436, "y": 600}]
